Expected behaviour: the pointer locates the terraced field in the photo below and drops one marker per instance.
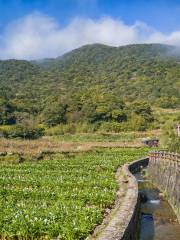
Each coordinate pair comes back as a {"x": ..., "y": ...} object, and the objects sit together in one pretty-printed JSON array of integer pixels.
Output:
[{"x": 64, "y": 197}]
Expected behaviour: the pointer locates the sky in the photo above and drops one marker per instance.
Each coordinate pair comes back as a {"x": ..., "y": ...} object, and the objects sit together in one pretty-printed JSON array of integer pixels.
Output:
[{"x": 36, "y": 29}]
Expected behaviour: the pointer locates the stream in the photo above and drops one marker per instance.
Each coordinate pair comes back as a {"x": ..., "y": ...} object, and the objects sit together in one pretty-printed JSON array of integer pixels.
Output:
[{"x": 158, "y": 221}]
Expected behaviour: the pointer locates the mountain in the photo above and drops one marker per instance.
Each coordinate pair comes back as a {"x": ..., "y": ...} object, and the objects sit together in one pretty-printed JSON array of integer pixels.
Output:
[
  {"x": 124, "y": 70},
  {"x": 144, "y": 72}
]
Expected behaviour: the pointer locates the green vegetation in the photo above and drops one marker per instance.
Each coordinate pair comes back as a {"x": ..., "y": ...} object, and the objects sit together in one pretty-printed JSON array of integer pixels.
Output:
[
  {"x": 168, "y": 119},
  {"x": 97, "y": 137},
  {"x": 25, "y": 130},
  {"x": 105, "y": 88},
  {"x": 65, "y": 196},
  {"x": 170, "y": 138},
  {"x": 93, "y": 94}
]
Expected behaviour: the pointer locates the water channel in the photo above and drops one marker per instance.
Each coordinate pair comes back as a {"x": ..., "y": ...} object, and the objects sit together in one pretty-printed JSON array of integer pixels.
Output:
[{"x": 158, "y": 221}]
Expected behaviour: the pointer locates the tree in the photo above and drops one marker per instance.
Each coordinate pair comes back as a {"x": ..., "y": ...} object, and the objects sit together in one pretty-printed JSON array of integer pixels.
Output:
[
  {"x": 102, "y": 106},
  {"x": 6, "y": 112},
  {"x": 54, "y": 114},
  {"x": 143, "y": 109}
]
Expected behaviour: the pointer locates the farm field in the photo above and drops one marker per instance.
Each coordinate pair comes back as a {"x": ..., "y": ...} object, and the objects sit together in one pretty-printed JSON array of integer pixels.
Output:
[
  {"x": 64, "y": 196},
  {"x": 75, "y": 142}
]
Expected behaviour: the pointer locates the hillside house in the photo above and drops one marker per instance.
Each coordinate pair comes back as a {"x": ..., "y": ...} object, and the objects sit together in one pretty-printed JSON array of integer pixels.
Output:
[{"x": 151, "y": 142}]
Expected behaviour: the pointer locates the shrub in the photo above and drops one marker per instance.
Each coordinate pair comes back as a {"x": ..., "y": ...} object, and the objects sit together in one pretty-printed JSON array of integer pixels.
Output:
[
  {"x": 170, "y": 139},
  {"x": 137, "y": 123},
  {"x": 71, "y": 128},
  {"x": 21, "y": 131},
  {"x": 5, "y": 130},
  {"x": 111, "y": 127},
  {"x": 174, "y": 144}
]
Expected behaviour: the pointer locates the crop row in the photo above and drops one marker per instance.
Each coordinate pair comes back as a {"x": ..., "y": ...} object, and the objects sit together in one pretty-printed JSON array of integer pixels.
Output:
[{"x": 64, "y": 198}]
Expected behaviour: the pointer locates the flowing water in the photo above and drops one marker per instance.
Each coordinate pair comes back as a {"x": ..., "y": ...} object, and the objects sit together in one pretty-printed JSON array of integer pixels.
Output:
[{"x": 158, "y": 221}]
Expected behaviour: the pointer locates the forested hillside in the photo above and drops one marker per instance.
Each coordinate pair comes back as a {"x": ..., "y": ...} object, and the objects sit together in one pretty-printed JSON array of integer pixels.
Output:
[{"x": 92, "y": 84}]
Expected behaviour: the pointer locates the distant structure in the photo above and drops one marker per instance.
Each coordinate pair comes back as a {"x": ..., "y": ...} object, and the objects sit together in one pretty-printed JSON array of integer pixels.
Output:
[
  {"x": 151, "y": 142},
  {"x": 178, "y": 130}
]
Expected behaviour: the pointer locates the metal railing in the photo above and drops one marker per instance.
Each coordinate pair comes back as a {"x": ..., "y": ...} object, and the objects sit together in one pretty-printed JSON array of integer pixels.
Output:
[{"x": 164, "y": 155}]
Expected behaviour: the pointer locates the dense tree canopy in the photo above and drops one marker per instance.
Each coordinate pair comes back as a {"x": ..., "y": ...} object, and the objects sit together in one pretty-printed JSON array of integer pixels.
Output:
[{"x": 94, "y": 83}]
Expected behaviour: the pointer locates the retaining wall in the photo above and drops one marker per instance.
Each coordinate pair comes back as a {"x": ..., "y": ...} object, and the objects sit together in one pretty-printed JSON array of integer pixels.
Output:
[
  {"x": 131, "y": 232},
  {"x": 164, "y": 171},
  {"x": 122, "y": 222}
]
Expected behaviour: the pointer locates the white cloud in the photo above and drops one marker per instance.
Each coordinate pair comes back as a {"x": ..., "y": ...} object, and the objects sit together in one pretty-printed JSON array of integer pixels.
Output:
[{"x": 38, "y": 36}]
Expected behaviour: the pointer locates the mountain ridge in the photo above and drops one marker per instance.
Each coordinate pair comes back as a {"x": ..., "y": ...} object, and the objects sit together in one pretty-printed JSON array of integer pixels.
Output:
[{"x": 168, "y": 48}]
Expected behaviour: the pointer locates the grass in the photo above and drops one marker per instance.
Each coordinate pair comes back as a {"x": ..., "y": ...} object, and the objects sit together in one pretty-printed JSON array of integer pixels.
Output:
[
  {"x": 34, "y": 147},
  {"x": 127, "y": 137},
  {"x": 97, "y": 137},
  {"x": 63, "y": 197},
  {"x": 74, "y": 142}
]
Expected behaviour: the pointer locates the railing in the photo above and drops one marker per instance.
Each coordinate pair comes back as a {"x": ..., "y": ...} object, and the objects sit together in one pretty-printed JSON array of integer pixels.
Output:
[{"x": 163, "y": 155}]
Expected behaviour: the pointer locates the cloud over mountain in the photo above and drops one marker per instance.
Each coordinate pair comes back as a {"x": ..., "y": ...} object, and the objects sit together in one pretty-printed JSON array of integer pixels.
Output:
[{"x": 39, "y": 36}]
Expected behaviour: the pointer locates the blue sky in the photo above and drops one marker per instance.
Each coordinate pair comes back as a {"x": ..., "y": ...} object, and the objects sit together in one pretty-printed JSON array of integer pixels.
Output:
[
  {"x": 136, "y": 21},
  {"x": 164, "y": 15}
]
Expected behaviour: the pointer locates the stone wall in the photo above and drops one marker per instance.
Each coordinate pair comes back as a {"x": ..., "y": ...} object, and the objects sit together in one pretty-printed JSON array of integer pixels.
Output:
[
  {"x": 164, "y": 171},
  {"x": 132, "y": 230},
  {"x": 122, "y": 222}
]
